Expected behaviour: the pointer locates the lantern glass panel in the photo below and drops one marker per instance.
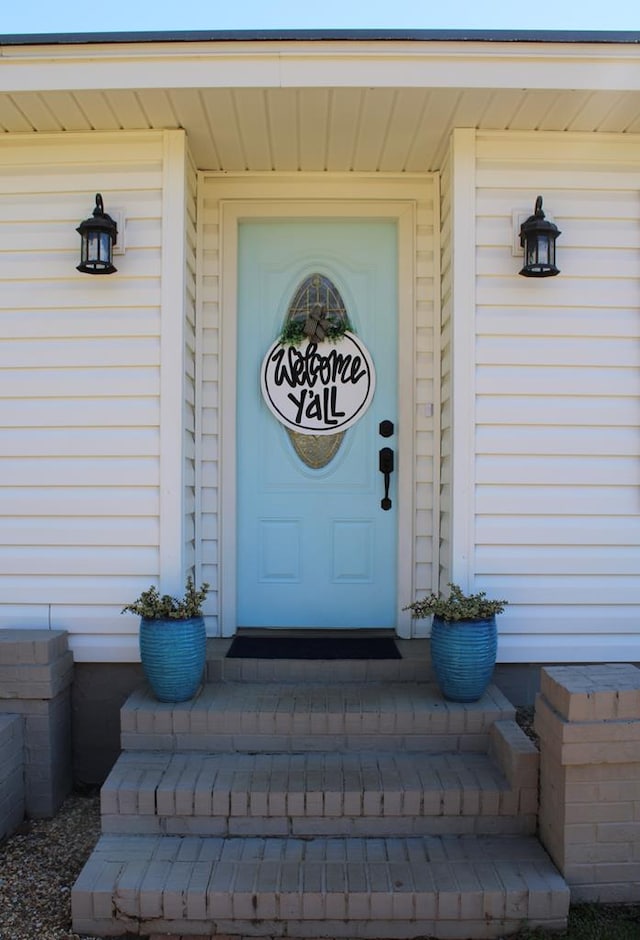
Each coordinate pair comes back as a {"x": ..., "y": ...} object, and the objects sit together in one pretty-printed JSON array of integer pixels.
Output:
[
  {"x": 93, "y": 246},
  {"x": 543, "y": 249}
]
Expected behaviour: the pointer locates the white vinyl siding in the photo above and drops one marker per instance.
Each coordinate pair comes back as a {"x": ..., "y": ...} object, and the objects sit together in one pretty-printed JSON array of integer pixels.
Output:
[
  {"x": 81, "y": 487},
  {"x": 557, "y": 398}
]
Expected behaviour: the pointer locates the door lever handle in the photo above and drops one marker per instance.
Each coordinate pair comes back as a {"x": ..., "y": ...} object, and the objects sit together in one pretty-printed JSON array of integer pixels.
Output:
[{"x": 386, "y": 468}]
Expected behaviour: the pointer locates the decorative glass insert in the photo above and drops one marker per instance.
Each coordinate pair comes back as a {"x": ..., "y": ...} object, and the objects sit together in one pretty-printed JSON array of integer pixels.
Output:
[
  {"x": 316, "y": 311},
  {"x": 317, "y": 293}
]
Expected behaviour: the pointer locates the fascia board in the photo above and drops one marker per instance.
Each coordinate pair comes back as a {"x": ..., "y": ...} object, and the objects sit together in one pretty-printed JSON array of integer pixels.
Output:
[{"x": 326, "y": 65}]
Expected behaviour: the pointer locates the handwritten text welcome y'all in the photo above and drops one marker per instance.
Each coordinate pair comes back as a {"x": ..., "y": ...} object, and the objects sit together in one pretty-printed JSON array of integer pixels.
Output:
[{"x": 302, "y": 371}]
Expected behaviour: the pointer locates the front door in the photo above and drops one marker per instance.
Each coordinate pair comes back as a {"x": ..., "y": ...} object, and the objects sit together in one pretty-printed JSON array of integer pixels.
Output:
[{"x": 315, "y": 547}]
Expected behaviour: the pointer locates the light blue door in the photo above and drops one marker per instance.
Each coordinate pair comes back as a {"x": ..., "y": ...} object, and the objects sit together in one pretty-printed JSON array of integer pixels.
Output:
[{"x": 315, "y": 548}]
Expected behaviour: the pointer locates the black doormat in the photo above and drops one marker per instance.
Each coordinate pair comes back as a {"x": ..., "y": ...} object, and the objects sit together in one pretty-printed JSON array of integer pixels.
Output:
[{"x": 313, "y": 647}]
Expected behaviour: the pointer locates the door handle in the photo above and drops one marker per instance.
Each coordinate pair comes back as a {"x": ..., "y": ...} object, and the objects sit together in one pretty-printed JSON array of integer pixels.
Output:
[{"x": 386, "y": 468}]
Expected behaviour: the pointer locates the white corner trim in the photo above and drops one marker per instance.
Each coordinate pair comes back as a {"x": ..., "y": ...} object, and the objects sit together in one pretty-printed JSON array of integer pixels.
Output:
[
  {"x": 418, "y": 626},
  {"x": 172, "y": 315},
  {"x": 406, "y": 248},
  {"x": 463, "y": 336},
  {"x": 228, "y": 351}
]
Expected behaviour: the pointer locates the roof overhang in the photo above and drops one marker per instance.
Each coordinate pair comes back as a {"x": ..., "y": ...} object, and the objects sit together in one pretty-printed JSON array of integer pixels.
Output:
[{"x": 382, "y": 100}]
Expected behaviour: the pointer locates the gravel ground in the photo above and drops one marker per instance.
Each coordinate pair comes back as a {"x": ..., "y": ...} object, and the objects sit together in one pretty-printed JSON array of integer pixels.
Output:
[
  {"x": 525, "y": 716},
  {"x": 38, "y": 867}
]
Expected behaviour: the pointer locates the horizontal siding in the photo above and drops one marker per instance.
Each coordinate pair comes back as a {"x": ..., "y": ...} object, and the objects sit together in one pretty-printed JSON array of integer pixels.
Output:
[
  {"x": 80, "y": 442},
  {"x": 85, "y": 471},
  {"x": 574, "y": 593},
  {"x": 548, "y": 531},
  {"x": 72, "y": 500},
  {"x": 19, "y": 532},
  {"x": 567, "y": 619},
  {"x": 56, "y": 591},
  {"x": 129, "y": 322},
  {"x": 89, "y": 353},
  {"x": 79, "y": 384},
  {"x": 568, "y": 499},
  {"x": 557, "y": 407},
  {"x": 91, "y": 560},
  {"x": 544, "y": 470},
  {"x": 563, "y": 440},
  {"x": 555, "y": 382},
  {"x": 575, "y": 560}
]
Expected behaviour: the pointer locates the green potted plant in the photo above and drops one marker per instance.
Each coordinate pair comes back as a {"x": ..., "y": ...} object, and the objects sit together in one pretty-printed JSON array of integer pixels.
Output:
[
  {"x": 172, "y": 640},
  {"x": 464, "y": 640}
]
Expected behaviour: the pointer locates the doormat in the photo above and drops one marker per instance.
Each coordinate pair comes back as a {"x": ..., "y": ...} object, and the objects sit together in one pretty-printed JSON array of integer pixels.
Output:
[{"x": 313, "y": 647}]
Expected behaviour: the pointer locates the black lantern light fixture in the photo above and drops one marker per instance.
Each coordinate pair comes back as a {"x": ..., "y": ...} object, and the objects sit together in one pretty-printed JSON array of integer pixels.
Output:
[
  {"x": 98, "y": 234},
  {"x": 538, "y": 238}
]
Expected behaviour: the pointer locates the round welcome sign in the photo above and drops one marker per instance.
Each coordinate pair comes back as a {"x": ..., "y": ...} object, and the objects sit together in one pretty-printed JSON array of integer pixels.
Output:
[{"x": 318, "y": 388}]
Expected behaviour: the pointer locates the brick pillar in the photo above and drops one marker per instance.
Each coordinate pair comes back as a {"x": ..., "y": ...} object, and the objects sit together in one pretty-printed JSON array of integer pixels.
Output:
[
  {"x": 36, "y": 671},
  {"x": 11, "y": 774},
  {"x": 588, "y": 721}
]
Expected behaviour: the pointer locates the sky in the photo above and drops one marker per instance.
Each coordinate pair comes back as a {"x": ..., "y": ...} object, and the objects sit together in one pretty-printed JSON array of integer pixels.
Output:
[{"x": 81, "y": 16}]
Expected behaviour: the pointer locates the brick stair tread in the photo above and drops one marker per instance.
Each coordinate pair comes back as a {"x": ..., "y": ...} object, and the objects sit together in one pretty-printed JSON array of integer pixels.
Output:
[
  {"x": 404, "y": 887},
  {"x": 274, "y": 716},
  {"x": 302, "y": 784},
  {"x": 344, "y": 810},
  {"x": 313, "y": 794}
]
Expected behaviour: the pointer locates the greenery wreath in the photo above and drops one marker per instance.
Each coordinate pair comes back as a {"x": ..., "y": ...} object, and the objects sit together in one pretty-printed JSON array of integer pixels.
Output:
[{"x": 315, "y": 328}]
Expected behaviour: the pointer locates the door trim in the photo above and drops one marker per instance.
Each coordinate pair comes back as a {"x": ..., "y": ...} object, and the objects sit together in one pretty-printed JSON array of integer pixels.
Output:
[{"x": 334, "y": 200}]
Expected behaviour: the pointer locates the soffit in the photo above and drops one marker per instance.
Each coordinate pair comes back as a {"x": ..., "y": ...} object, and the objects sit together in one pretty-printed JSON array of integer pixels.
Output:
[{"x": 346, "y": 108}]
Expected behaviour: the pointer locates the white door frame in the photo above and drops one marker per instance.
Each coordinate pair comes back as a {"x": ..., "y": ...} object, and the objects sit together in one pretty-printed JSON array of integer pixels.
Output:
[{"x": 344, "y": 198}]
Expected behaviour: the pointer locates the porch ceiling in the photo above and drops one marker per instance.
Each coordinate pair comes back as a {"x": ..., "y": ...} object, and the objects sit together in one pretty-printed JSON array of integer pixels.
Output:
[{"x": 345, "y": 107}]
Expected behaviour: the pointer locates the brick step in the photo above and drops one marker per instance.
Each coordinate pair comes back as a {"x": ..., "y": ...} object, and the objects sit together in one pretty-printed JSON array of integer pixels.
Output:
[
  {"x": 280, "y": 717},
  {"x": 357, "y": 794},
  {"x": 414, "y": 666},
  {"x": 453, "y": 887}
]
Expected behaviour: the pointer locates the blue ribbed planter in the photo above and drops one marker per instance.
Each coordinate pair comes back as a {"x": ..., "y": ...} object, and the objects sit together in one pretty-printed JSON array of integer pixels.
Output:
[
  {"x": 463, "y": 655},
  {"x": 173, "y": 656}
]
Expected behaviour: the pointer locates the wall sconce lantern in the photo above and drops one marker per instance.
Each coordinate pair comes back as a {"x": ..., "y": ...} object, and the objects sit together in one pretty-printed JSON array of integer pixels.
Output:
[
  {"x": 98, "y": 234},
  {"x": 538, "y": 239}
]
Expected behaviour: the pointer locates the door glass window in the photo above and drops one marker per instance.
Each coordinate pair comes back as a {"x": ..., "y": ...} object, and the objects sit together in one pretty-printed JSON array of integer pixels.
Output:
[{"x": 316, "y": 310}]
